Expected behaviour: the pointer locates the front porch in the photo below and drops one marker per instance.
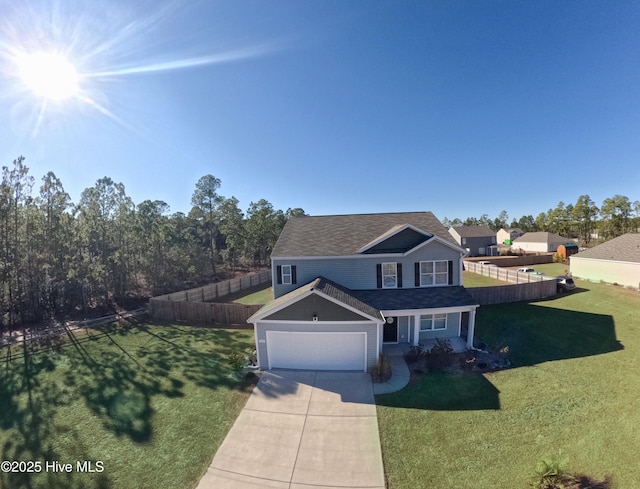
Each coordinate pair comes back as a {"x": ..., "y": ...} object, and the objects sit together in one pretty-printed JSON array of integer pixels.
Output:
[
  {"x": 458, "y": 344},
  {"x": 424, "y": 327}
]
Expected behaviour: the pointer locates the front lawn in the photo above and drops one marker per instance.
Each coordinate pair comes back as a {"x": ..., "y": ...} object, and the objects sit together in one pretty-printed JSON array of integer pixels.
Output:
[
  {"x": 574, "y": 387},
  {"x": 152, "y": 403}
]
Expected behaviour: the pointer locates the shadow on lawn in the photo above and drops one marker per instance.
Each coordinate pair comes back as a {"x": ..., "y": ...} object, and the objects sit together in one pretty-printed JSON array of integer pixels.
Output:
[
  {"x": 533, "y": 334},
  {"x": 28, "y": 407},
  {"x": 116, "y": 371},
  {"x": 439, "y": 391}
]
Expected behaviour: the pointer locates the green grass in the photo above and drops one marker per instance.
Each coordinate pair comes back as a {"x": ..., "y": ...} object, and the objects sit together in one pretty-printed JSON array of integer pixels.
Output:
[
  {"x": 552, "y": 269},
  {"x": 152, "y": 403},
  {"x": 256, "y": 297},
  {"x": 575, "y": 388},
  {"x": 470, "y": 279}
]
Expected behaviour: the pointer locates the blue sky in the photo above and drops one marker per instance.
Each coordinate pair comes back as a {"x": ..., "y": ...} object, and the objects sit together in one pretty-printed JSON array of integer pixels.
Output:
[{"x": 463, "y": 108}]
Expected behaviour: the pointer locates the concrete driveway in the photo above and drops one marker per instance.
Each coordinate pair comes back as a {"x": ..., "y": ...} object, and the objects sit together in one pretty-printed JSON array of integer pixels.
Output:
[{"x": 301, "y": 429}]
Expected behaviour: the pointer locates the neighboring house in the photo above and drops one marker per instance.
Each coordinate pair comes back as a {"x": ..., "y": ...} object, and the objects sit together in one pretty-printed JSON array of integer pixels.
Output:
[
  {"x": 615, "y": 261},
  {"x": 508, "y": 235},
  {"x": 345, "y": 286},
  {"x": 477, "y": 240},
  {"x": 539, "y": 242}
]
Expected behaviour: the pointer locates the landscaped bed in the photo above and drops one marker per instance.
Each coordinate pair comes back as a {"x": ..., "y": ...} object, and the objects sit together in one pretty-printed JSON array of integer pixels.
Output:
[
  {"x": 442, "y": 358},
  {"x": 151, "y": 403},
  {"x": 572, "y": 387}
]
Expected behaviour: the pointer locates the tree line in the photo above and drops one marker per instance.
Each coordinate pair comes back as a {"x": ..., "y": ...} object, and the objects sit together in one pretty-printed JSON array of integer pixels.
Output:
[
  {"x": 583, "y": 220},
  {"x": 59, "y": 258}
]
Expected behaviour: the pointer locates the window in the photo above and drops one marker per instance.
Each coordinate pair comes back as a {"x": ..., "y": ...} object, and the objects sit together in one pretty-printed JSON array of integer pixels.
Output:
[
  {"x": 464, "y": 241},
  {"x": 433, "y": 322},
  {"x": 286, "y": 274},
  {"x": 434, "y": 273},
  {"x": 389, "y": 275}
]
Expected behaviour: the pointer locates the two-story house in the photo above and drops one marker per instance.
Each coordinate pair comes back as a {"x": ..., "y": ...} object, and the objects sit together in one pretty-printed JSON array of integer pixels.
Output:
[
  {"x": 476, "y": 240},
  {"x": 345, "y": 286},
  {"x": 508, "y": 235}
]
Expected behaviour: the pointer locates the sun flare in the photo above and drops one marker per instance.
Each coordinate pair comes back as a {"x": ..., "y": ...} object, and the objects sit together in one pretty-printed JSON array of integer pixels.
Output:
[{"x": 48, "y": 75}]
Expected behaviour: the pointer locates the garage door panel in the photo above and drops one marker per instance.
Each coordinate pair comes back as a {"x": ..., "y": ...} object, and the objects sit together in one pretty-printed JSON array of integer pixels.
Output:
[{"x": 317, "y": 350}]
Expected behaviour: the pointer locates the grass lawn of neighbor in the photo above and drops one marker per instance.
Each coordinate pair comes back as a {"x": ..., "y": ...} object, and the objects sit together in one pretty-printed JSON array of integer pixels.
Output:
[
  {"x": 152, "y": 403},
  {"x": 574, "y": 388},
  {"x": 257, "y": 297},
  {"x": 471, "y": 279}
]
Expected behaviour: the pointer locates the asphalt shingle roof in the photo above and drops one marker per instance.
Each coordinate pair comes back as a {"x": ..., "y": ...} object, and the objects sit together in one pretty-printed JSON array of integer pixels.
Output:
[
  {"x": 343, "y": 235},
  {"x": 328, "y": 288},
  {"x": 371, "y": 302},
  {"x": 542, "y": 237},
  {"x": 418, "y": 298},
  {"x": 622, "y": 248},
  {"x": 473, "y": 231}
]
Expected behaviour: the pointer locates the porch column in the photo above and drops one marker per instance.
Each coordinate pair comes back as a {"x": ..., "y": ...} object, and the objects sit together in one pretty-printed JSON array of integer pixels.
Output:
[
  {"x": 471, "y": 327},
  {"x": 416, "y": 330}
]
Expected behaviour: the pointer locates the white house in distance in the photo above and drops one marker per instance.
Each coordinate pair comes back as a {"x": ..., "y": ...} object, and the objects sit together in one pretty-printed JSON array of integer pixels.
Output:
[
  {"x": 539, "y": 242},
  {"x": 615, "y": 261},
  {"x": 508, "y": 234}
]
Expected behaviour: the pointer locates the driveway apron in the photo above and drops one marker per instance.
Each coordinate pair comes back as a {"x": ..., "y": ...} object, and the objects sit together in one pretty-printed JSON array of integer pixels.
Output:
[{"x": 302, "y": 430}]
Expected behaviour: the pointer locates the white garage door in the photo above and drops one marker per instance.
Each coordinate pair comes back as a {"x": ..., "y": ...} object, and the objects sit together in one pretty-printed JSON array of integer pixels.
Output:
[{"x": 317, "y": 351}]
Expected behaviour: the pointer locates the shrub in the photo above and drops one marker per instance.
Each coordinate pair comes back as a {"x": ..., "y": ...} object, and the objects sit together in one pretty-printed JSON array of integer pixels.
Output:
[
  {"x": 551, "y": 473},
  {"x": 414, "y": 354},
  {"x": 237, "y": 361},
  {"x": 440, "y": 356},
  {"x": 381, "y": 372}
]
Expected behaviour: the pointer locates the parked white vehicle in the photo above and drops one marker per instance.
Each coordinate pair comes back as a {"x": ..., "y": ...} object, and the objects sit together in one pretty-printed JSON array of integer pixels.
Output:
[{"x": 526, "y": 270}]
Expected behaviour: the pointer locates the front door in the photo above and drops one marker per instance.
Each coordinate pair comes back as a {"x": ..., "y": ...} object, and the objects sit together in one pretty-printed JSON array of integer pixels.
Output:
[{"x": 390, "y": 330}]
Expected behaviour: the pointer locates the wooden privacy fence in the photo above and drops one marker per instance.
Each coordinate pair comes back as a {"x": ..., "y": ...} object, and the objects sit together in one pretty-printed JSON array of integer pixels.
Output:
[
  {"x": 504, "y": 274},
  {"x": 197, "y": 306},
  {"x": 499, "y": 294},
  {"x": 201, "y": 312},
  {"x": 515, "y": 261}
]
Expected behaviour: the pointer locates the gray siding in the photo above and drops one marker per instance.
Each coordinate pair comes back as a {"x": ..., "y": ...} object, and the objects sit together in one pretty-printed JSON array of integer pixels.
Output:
[
  {"x": 325, "y": 310},
  {"x": 399, "y": 243},
  {"x": 360, "y": 273},
  {"x": 371, "y": 329},
  {"x": 452, "y": 331},
  {"x": 474, "y": 244}
]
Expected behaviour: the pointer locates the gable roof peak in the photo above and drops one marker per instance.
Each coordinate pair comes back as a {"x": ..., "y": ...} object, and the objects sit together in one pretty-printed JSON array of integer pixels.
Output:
[
  {"x": 419, "y": 237},
  {"x": 346, "y": 234}
]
